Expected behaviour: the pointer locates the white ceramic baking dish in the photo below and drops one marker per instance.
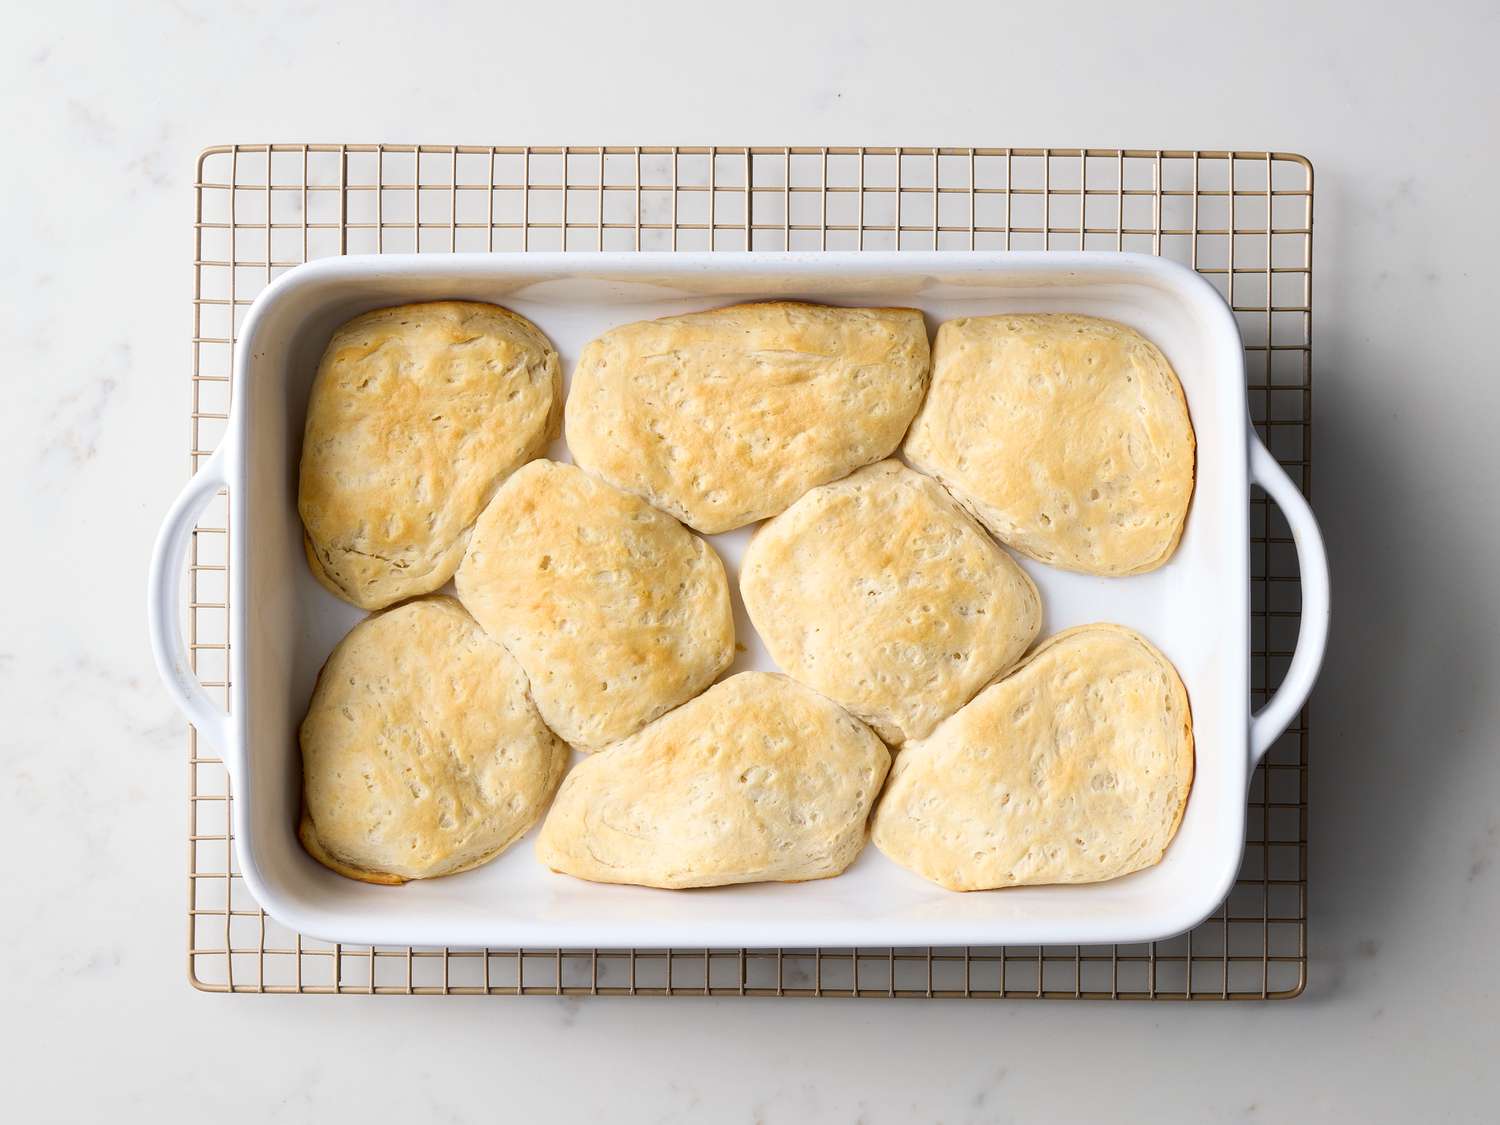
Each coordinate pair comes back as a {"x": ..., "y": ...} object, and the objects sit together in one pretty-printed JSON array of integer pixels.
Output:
[{"x": 283, "y": 623}]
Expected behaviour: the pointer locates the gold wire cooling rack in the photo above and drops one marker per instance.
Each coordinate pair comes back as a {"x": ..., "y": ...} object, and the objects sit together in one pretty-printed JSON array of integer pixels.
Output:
[{"x": 1242, "y": 219}]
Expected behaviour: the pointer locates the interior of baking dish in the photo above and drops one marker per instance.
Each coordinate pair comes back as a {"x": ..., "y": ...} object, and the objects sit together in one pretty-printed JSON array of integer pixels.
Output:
[{"x": 1195, "y": 608}]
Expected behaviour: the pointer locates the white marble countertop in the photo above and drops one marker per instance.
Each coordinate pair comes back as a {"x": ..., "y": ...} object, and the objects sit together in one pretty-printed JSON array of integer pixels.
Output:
[{"x": 106, "y": 107}]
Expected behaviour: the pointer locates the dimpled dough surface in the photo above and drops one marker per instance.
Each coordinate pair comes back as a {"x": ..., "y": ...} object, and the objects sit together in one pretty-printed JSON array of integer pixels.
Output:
[
  {"x": 722, "y": 418},
  {"x": 422, "y": 751},
  {"x": 758, "y": 779},
  {"x": 616, "y": 611},
  {"x": 1068, "y": 436},
  {"x": 1075, "y": 768},
  {"x": 417, "y": 414},
  {"x": 879, "y": 591}
]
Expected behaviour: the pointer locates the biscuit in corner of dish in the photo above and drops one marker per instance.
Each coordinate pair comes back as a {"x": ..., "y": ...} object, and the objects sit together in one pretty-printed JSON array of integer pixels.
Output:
[
  {"x": 881, "y": 592},
  {"x": 1068, "y": 436},
  {"x": 1074, "y": 768},
  {"x": 416, "y": 413},
  {"x": 759, "y": 779},
  {"x": 725, "y": 417},
  {"x": 307, "y": 836},
  {"x": 423, "y": 753},
  {"x": 616, "y": 611}
]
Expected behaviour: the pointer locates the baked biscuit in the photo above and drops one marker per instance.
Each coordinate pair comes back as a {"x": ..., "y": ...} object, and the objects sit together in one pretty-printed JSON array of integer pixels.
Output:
[
  {"x": 880, "y": 592},
  {"x": 722, "y": 418},
  {"x": 1075, "y": 768},
  {"x": 617, "y": 612},
  {"x": 758, "y": 779},
  {"x": 1068, "y": 436},
  {"x": 422, "y": 752},
  {"x": 417, "y": 414}
]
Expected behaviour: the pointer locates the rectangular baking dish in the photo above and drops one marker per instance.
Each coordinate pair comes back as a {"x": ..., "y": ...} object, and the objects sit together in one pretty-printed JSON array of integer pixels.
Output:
[{"x": 1196, "y": 608}]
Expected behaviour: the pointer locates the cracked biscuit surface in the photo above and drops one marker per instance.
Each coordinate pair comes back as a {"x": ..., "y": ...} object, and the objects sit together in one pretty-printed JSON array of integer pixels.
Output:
[{"x": 417, "y": 414}]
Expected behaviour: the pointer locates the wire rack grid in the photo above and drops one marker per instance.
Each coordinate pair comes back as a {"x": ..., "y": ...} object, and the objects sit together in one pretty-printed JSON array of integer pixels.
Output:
[{"x": 1242, "y": 219}]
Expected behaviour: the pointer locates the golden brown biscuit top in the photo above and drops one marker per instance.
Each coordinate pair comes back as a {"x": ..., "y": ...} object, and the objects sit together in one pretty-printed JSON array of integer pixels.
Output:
[
  {"x": 417, "y": 413},
  {"x": 722, "y": 418},
  {"x": 881, "y": 592},
  {"x": 1074, "y": 768},
  {"x": 1068, "y": 436},
  {"x": 422, "y": 751},
  {"x": 616, "y": 611},
  {"x": 757, "y": 779}
]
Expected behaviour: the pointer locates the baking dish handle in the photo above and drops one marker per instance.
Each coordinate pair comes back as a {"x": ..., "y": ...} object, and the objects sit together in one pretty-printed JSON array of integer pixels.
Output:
[
  {"x": 1267, "y": 724},
  {"x": 163, "y": 607}
]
